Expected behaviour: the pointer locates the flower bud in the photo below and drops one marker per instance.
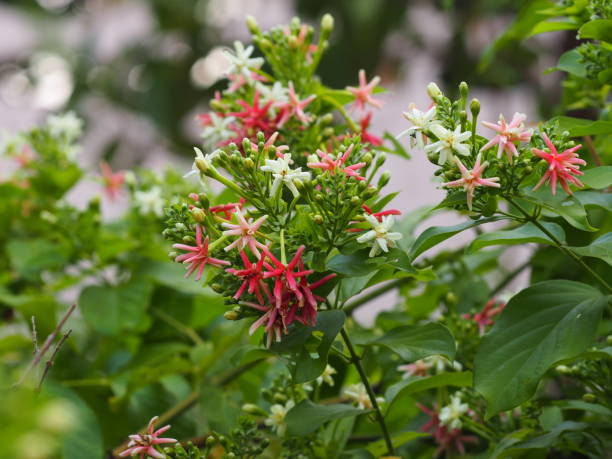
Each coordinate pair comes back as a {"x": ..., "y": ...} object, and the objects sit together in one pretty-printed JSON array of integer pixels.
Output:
[
  {"x": 327, "y": 118},
  {"x": 384, "y": 179},
  {"x": 248, "y": 163},
  {"x": 451, "y": 298},
  {"x": 462, "y": 117},
  {"x": 367, "y": 158},
  {"x": 180, "y": 226},
  {"x": 318, "y": 197},
  {"x": 292, "y": 42},
  {"x": 589, "y": 398},
  {"x": 609, "y": 339},
  {"x": 217, "y": 288},
  {"x": 380, "y": 159},
  {"x": 327, "y": 23},
  {"x": 279, "y": 398},
  {"x": 463, "y": 90},
  {"x": 246, "y": 145},
  {"x": 188, "y": 239},
  {"x": 233, "y": 147},
  {"x": 475, "y": 108},
  {"x": 563, "y": 369},
  {"x": 198, "y": 214},
  {"x": 318, "y": 219},
  {"x": 252, "y": 25},
  {"x": 202, "y": 165},
  {"x": 204, "y": 200},
  {"x": 211, "y": 441},
  {"x": 250, "y": 408},
  {"x": 231, "y": 315},
  {"x": 356, "y": 201},
  {"x": 172, "y": 255},
  {"x": 370, "y": 192},
  {"x": 433, "y": 90},
  {"x": 216, "y": 105},
  {"x": 328, "y": 132}
]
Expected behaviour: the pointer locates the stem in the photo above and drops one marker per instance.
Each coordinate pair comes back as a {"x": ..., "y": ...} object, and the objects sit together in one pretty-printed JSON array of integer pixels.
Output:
[
  {"x": 596, "y": 158},
  {"x": 561, "y": 247},
  {"x": 282, "y": 247},
  {"x": 364, "y": 378},
  {"x": 509, "y": 277},
  {"x": 349, "y": 308}
]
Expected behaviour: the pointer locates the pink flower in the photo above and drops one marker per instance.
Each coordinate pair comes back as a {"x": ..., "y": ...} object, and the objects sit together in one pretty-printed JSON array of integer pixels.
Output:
[
  {"x": 446, "y": 438},
  {"x": 227, "y": 209},
  {"x": 245, "y": 230},
  {"x": 418, "y": 368},
  {"x": 365, "y": 135},
  {"x": 471, "y": 179},
  {"x": 285, "y": 275},
  {"x": 508, "y": 135},
  {"x": 253, "y": 117},
  {"x": 484, "y": 318},
  {"x": 198, "y": 257},
  {"x": 363, "y": 93},
  {"x": 253, "y": 277},
  {"x": 331, "y": 164},
  {"x": 561, "y": 166},
  {"x": 113, "y": 181},
  {"x": 144, "y": 445},
  {"x": 239, "y": 80},
  {"x": 294, "y": 107}
]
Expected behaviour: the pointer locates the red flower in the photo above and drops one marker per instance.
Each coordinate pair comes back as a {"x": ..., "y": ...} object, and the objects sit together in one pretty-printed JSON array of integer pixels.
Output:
[
  {"x": 484, "y": 318},
  {"x": 365, "y": 135},
  {"x": 253, "y": 277},
  {"x": 363, "y": 92},
  {"x": 562, "y": 166},
  {"x": 113, "y": 181},
  {"x": 294, "y": 107},
  {"x": 447, "y": 439},
  {"x": 197, "y": 257},
  {"x": 254, "y": 118},
  {"x": 285, "y": 274}
]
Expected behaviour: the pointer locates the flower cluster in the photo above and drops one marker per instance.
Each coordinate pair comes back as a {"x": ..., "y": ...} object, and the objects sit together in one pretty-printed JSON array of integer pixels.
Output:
[{"x": 145, "y": 445}]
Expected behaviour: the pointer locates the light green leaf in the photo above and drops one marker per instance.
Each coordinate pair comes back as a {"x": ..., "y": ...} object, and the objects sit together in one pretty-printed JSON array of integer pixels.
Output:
[
  {"x": 521, "y": 235},
  {"x": 31, "y": 256},
  {"x": 600, "y": 248},
  {"x": 599, "y": 29},
  {"x": 598, "y": 177},
  {"x": 436, "y": 234},
  {"x": 541, "y": 325},
  {"x": 552, "y": 26},
  {"x": 578, "y": 127},
  {"x": 378, "y": 448},
  {"x": 595, "y": 199},
  {"x": 571, "y": 62},
  {"x": 414, "y": 342},
  {"x": 306, "y": 417}
]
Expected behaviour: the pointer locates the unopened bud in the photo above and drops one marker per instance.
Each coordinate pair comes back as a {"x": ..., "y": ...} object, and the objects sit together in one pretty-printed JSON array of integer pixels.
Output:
[
  {"x": 233, "y": 147},
  {"x": 462, "y": 116},
  {"x": 380, "y": 159},
  {"x": 204, "y": 200},
  {"x": 328, "y": 132},
  {"x": 248, "y": 163},
  {"x": 384, "y": 179},
  {"x": 217, "y": 288},
  {"x": 172, "y": 255},
  {"x": 180, "y": 226},
  {"x": 202, "y": 165},
  {"x": 475, "y": 108},
  {"x": 211, "y": 441},
  {"x": 589, "y": 398},
  {"x": 231, "y": 315},
  {"x": 433, "y": 90},
  {"x": 609, "y": 339},
  {"x": 451, "y": 298},
  {"x": 327, "y": 23},
  {"x": 355, "y": 200},
  {"x": 246, "y": 145},
  {"x": 216, "y": 105},
  {"x": 463, "y": 90},
  {"x": 198, "y": 214},
  {"x": 188, "y": 239},
  {"x": 251, "y": 408},
  {"x": 318, "y": 219},
  {"x": 563, "y": 369},
  {"x": 252, "y": 25},
  {"x": 279, "y": 398},
  {"x": 292, "y": 42},
  {"x": 367, "y": 158},
  {"x": 318, "y": 197},
  {"x": 327, "y": 118}
]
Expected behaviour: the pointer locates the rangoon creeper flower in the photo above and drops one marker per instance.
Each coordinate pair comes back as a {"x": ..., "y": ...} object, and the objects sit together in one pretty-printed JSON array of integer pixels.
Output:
[
  {"x": 294, "y": 107},
  {"x": 245, "y": 230},
  {"x": 471, "y": 179},
  {"x": 144, "y": 445},
  {"x": 359, "y": 395},
  {"x": 449, "y": 142},
  {"x": 276, "y": 420},
  {"x": 67, "y": 124},
  {"x": 204, "y": 159},
  {"x": 326, "y": 376},
  {"x": 283, "y": 174},
  {"x": 218, "y": 129},
  {"x": 379, "y": 235},
  {"x": 363, "y": 93},
  {"x": 508, "y": 134},
  {"x": 450, "y": 415},
  {"x": 150, "y": 201},
  {"x": 238, "y": 81},
  {"x": 252, "y": 276},
  {"x": 331, "y": 164},
  {"x": 418, "y": 368},
  {"x": 241, "y": 61},
  {"x": 276, "y": 93},
  {"x": 562, "y": 166},
  {"x": 485, "y": 317},
  {"x": 198, "y": 257},
  {"x": 422, "y": 121},
  {"x": 113, "y": 181}
]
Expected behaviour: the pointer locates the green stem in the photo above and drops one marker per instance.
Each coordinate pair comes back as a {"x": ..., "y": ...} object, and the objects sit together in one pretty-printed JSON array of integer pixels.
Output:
[
  {"x": 349, "y": 308},
  {"x": 560, "y": 245},
  {"x": 364, "y": 378},
  {"x": 509, "y": 277}
]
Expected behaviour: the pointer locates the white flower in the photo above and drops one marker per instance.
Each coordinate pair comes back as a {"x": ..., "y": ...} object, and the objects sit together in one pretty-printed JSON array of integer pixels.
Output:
[
  {"x": 449, "y": 142},
  {"x": 207, "y": 159},
  {"x": 380, "y": 236},
  {"x": 276, "y": 420},
  {"x": 450, "y": 415},
  {"x": 326, "y": 376},
  {"x": 282, "y": 173},
  {"x": 241, "y": 61},
  {"x": 67, "y": 124},
  {"x": 422, "y": 121},
  {"x": 359, "y": 395},
  {"x": 276, "y": 93},
  {"x": 150, "y": 201},
  {"x": 218, "y": 129}
]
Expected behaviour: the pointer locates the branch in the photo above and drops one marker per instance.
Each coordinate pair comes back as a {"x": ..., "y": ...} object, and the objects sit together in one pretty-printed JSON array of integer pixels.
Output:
[{"x": 51, "y": 361}]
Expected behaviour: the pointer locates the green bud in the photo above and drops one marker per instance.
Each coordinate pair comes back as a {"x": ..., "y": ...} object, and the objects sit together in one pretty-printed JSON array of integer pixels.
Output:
[
  {"x": 451, "y": 298},
  {"x": 280, "y": 398},
  {"x": 589, "y": 398},
  {"x": 529, "y": 169},
  {"x": 198, "y": 214},
  {"x": 172, "y": 255},
  {"x": 433, "y": 91},
  {"x": 295, "y": 22},
  {"x": 250, "y": 408},
  {"x": 328, "y": 132},
  {"x": 355, "y": 200},
  {"x": 248, "y": 163},
  {"x": 188, "y": 239},
  {"x": 202, "y": 165},
  {"x": 230, "y": 455},
  {"x": 327, "y": 23},
  {"x": 463, "y": 90},
  {"x": 216, "y": 105},
  {"x": 609, "y": 339},
  {"x": 217, "y": 288},
  {"x": 261, "y": 137},
  {"x": 367, "y": 158},
  {"x": 384, "y": 179},
  {"x": 180, "y": 226},
  {"x": 368, "y": 193},
  {"x": 204, "y": 200},
  {"x": 327, "y": 118},
  {"x": 563, "y": 369},
  {"x": 475, "y": 108},
  {"x": 318, "y": 197},
  {"x": 318, "y": 219},
  {"x": 380, "y": 159},
  {"x": 252, "y": 25},
  {"x": 246, "y": 145},
  {"x": 211, "y": 441},
  {"x": 233, "y": 147},
  {"x": 292, "y": 42},
  {"x": 231, "y": 315},
  {"x": 462, "y": 116},
  {"x": 265, "y": 43}
]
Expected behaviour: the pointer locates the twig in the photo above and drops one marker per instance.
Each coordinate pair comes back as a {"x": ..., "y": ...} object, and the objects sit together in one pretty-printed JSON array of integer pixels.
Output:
[
  {"x": 589, "y": 143},
  {"x": 349, "y": 308},
  {"x": 51, "y": 361},
  {"x": 509, "y": 278},
  {"x": 34, "y": 336},
  {"x": 45, "y": 347}
]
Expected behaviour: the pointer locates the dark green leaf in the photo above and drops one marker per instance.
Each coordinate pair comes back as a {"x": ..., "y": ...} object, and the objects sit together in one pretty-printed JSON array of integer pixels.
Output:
[
  {"x": 355, "y": 264},
  {"x": 567, "y": 207},
  {"x": 413, "y": 342},
  {"x": 543, "y": 324},
  {"x": 306, "y": 417},
  {"x": 378, "y": 448},
  {"x": 600, "y": 248},
  {"x": 521, "y": 235},
  {"x": 598, "y": 177}
]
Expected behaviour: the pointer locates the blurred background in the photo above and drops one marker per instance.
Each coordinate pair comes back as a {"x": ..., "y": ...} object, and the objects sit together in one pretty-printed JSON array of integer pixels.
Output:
[{"x": 138, "y": 71}]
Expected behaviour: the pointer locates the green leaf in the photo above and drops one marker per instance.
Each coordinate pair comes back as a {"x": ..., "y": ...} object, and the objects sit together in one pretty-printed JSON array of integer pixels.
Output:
[
  {"x": 412, "y": 386},
  {"x": 599, "y": 29},
  {"x": 31, "y": 256},
  {"x": 436, "y": 234},
  {"x": 552, "y": 26},
  {"x": 172, "y": 275},
  {"x": 600, "y": 248},
  {"x": 306, "y": 417},
  {"x": 521, "y": 235},
  {"x": 309, "y": 346},
  {"x": 541, "y": 325},
  {"x": 356, "y": 264},
  {"x": 583, "y": 406},
  {"x": 595, "y": 199},
  {"x": 598, "y": 177},
  {"x": 578, "y": 127},
  {"x": 112, "y": 309},
  {"x": 567, "y": 207},
  {"x": 378, "y": 448},
  {"x": 571, "y": 62},
  {"x": 414, "y": 342},
  {"x": 398, "y": 148}
]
